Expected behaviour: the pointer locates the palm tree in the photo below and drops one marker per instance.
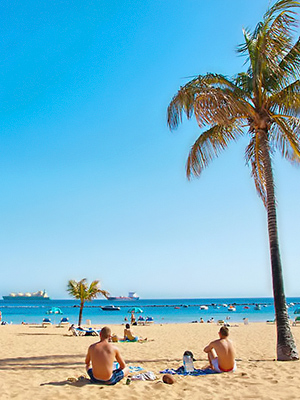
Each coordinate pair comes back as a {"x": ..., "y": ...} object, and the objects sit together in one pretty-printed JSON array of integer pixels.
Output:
[
  {"x": 81, "y": 291},
  {"x": 266, "y": 100}
]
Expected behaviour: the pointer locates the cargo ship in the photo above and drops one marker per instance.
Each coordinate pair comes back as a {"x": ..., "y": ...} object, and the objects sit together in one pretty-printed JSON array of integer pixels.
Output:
[
  {"x": 131, "y": 296},
  {"x": 40, "y": 295}
]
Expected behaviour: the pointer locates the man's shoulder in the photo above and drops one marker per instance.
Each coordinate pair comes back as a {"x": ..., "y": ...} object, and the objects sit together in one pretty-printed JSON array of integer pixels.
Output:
[
  {"x": 93, "y": 345},
  {"x": 215, "y": 342}
]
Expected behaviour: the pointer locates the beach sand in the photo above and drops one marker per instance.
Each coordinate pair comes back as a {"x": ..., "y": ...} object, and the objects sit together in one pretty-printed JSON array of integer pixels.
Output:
[{"x": 36, "y": 363}]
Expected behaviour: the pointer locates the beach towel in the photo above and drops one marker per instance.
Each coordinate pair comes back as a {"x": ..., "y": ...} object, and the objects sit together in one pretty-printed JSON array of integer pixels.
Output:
[
  {"x": 144, "y": 376},
  {"x": 181, "y": 371}
]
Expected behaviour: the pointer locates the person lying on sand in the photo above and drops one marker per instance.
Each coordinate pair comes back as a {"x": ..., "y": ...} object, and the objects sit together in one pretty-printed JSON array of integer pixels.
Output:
[
  {"x": 102, "y": 356},
  {"x": 221, "y": 354}
]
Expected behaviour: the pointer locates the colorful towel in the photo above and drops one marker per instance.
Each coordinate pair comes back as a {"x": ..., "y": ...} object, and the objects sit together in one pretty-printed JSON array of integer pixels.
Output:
[
  {"x": 132, "y": 368},
  {"x": 181, "y": 371}
]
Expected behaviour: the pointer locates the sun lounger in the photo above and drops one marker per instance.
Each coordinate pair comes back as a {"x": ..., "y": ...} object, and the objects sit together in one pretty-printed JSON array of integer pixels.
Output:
[
  {"x": 83, "y": 331},
  {"x": 296, "y": 322},
  {"x": 149, "y": 321},
  {"x": 271, "y": 321},
  {"x": 64, "y": 322},
  {"x": 141, "y": 320},
  {"x": 46, "y": 322}
]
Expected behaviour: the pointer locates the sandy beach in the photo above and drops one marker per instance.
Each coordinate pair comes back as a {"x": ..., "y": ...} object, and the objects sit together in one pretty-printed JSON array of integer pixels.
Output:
[{"x": 37, "y": 362}]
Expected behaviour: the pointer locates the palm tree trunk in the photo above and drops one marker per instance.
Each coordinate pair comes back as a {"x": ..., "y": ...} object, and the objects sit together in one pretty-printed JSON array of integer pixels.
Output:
[
  {"x": 286, "y": 347},
  {"x": 80, "y": 313}
]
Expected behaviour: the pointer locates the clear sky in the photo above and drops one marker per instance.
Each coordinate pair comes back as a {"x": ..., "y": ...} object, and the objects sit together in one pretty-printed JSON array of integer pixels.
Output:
[{"x": 93, "y": 182}]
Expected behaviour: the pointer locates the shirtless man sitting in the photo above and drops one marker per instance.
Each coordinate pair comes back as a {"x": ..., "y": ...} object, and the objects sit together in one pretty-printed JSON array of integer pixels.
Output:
[
  {"x": 102, "y": 356},
  {"x": 221, "y": 353}
]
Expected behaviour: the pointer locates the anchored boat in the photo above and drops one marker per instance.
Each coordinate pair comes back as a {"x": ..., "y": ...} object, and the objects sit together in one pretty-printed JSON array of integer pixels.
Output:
[{"x": 110, "y": 308}]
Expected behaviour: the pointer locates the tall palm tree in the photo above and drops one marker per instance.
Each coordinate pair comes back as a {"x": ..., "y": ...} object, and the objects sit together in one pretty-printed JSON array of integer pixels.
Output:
[
  {"x": 266, "y": 100},
  {"x": 81, "y": 291}
]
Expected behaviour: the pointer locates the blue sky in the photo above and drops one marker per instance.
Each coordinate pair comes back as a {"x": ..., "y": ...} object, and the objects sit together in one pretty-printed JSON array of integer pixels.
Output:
[{"x": 93, "y": 182}]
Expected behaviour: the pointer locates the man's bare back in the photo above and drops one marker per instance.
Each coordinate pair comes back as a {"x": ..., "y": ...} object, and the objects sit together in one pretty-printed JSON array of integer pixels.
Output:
[
  {"x": 102, "y": 356},
  {"x": 221, "y": 353}
]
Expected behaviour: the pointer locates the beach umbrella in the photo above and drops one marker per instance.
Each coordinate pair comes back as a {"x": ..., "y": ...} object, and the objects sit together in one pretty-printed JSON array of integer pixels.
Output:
[
  {"x": 297, "y": 311},
  {"x": 54, "y": 310},
  {"x": 135, "y": 310}
]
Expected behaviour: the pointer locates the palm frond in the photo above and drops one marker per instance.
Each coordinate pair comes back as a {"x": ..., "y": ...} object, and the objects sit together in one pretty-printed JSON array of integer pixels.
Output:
[
  {"x": 216, "y": 106},
  {"x": 285, "y": 136},
  {"x": 244, "y": 81},
  {"x": 287, "y": 100},
  {"x": 272, "y": 56},
  {"x": 279, "y": 6},
  {"x": 209, "y": 145},
  {"x": 206, "y": 88},
  {"x": 290, "y": 64}
]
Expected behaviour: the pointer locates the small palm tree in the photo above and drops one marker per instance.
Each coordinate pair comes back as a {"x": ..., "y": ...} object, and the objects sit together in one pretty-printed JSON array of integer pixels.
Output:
[
  {"x": 266, "y": 100},
  {"x": 81, "y": 291}
]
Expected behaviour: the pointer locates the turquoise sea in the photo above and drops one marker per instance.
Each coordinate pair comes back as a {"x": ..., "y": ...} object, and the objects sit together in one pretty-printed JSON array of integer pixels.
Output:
[{"x": 162, "y": 310}]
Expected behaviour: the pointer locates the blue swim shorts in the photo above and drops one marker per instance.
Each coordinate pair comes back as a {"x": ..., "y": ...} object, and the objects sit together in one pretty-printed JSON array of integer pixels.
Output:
[{"x": 117, "y": 375}]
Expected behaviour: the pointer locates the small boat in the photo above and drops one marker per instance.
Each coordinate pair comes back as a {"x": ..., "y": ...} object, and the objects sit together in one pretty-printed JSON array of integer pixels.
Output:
[
  {"x": 246, "y": 308},
  {"x": 110, "y": 308},
  {"x": 231, "y": 308},
  {"x": 225, "y": 305},
  {"x": 203, "y": 308},
  {"x": 177, "y": 308}
]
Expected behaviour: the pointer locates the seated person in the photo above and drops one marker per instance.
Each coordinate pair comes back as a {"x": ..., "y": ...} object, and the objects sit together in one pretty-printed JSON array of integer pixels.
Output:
[
  {"x": 221, "y": 353},
  {"x": 102, "y": 356},
  {"x": 128, "y": 335}
]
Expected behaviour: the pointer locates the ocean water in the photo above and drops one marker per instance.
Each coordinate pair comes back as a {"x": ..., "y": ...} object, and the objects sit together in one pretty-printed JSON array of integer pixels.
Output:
[{"x": 162, "y": 310}]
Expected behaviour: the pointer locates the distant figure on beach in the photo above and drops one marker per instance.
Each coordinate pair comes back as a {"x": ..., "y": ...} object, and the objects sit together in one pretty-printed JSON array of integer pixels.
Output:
[
  {"x": 128, "y": 335},
  {"x": 221, "y": 354},
  {"x": 201, "y": 320},
  {"x": 132, "y": 320},
  {"x": 102, "y": 356}
]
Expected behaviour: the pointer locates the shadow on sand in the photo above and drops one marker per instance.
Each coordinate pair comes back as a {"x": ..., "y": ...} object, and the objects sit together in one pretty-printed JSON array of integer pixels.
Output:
[
  {"x": 42, "y": 362},
  {"x": 77, "y": 382}
]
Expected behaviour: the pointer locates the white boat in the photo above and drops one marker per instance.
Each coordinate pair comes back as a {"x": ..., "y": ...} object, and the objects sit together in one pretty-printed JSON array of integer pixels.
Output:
[
  {"x": 110, "y": 308},
  {"x": 203, "y": 308},
  {"x": 231, "y": 308}
]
